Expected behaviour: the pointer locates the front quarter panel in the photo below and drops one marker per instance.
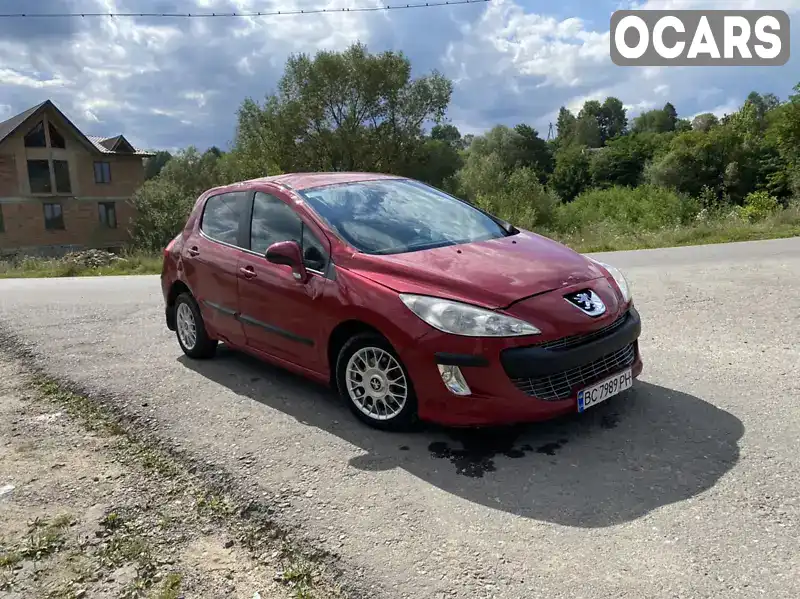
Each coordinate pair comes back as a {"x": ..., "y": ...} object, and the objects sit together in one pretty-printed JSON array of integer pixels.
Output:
[{"x": 380, "y": 307}]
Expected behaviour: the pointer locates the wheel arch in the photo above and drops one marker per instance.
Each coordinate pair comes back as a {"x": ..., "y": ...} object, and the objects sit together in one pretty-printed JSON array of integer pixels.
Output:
[
  {"x": 175, "y": 290},
  {"x": 340, "y": 335}
]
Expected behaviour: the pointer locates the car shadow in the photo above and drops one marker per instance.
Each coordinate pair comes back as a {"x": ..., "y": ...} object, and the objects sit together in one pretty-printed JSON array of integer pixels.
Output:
[{"x": 642, "y": 450}]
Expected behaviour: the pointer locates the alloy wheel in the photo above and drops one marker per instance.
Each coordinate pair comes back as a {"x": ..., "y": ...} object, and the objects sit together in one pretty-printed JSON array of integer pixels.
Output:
[{"x": 376, "y": 383}]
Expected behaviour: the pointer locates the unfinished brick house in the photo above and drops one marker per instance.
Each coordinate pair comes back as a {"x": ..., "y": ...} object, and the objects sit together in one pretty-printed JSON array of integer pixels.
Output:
[{"x": 61, "y": 189}]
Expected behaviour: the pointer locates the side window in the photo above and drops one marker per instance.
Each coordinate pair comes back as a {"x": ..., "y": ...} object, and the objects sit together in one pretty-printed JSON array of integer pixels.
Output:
[
  {"x": 274, "y": 221},
  {"x": 313, "y": 251},
  {"x": 221, "y": 217}
]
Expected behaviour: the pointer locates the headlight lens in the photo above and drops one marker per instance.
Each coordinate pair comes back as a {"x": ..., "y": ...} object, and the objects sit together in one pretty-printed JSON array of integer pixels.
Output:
[
  {"x": 462, "y": 319},
  {"x": 620, "y": 279}
]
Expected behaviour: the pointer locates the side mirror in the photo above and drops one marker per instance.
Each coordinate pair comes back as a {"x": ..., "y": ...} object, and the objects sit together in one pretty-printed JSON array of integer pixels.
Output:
[{"x": 288, "y": 253}]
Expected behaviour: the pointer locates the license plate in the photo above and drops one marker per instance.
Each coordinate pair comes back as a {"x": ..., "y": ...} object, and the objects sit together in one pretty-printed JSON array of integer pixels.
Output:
[{"x": 591, "y": 396}]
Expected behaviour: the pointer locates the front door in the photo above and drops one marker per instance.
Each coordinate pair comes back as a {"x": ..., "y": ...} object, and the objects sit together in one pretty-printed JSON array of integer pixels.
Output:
[
  {"x": 210, "y": 259},
  {"x": 281, "y": 316}
]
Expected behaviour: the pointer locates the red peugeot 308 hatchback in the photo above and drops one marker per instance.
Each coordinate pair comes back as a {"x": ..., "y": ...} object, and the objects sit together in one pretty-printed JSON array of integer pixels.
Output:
[{"x": 410, "y": 302}]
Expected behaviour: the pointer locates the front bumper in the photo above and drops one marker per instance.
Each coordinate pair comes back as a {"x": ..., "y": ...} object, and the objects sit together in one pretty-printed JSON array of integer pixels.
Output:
[{"x": 512, "y": 381}]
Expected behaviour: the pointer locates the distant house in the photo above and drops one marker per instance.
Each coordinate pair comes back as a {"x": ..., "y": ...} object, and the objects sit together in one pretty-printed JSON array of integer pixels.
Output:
[{"x": 61, "y": 189}]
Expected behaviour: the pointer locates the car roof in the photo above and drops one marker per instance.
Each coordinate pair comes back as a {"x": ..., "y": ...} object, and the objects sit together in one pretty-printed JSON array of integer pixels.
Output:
[{"x": 300, "y": 181}]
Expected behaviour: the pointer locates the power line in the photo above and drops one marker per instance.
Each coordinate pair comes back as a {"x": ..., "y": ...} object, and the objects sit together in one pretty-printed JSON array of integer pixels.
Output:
[{"x": 251, "y": 14}]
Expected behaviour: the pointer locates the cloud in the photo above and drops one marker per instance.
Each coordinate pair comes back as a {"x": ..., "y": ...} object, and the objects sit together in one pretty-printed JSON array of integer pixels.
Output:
[{"x": 168, "y": 83}]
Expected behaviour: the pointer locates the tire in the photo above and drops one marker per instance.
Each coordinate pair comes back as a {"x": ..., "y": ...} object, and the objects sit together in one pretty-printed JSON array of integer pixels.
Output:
[
  {"x": 187, "y": 312},
  {"x": 384, "y": 410}
]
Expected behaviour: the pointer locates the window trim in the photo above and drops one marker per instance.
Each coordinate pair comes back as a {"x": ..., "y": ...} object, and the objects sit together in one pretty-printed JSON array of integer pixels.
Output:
[
  {"x": 50, "y": 174},
  {"x": 44, "y": 133},
  {"x": 243, "y": 237},
  {"x": 55, "y": 178},
  {"x": 114, "y": 209},
  {"x": 328, "y": 272},
  {"x": 247, "y": 197},
  {"x": 94, "y": 166},
  {"x": 49, "y": 140},
  {"x": 63, "y": 226}
]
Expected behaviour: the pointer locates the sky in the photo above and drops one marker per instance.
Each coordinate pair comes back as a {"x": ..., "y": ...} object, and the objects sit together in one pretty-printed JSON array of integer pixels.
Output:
[{"x": 170, "y": 83}]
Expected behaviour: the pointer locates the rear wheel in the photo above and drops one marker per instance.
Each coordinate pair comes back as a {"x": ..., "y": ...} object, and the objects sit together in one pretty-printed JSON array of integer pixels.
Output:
[
  {"x": 375, "y": 384},
  {"x": 191, "y": 330}
]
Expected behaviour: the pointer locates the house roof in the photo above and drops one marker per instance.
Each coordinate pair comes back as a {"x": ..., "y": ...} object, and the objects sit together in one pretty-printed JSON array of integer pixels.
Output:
[
  {"x": 110, "y": 145},
  {"x": 8, "y": 127},
  {"x": 105, "y": 145}
]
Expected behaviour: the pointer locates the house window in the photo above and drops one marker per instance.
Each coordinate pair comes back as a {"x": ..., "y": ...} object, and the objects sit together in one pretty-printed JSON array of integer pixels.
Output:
[
  {"x": 53, "y": 217},
  {"x": 108, "y": 214},
  {"x": 39, "y": 176},
  {"x": 35, "y": 137},
  {"x": 102, "y": 172},
  {"x": 61, "y": 172},
  {"x": 56, "y": 139}
]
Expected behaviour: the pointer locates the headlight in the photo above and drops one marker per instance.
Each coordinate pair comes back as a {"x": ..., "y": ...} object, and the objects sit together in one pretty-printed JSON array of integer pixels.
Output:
[
  {"x": 620, "y": 279},
  {"x": 462, "y": 319}
]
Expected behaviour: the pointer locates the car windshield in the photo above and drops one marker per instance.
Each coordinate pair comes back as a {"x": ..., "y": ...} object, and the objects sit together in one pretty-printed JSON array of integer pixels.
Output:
[{"x": 392, "y": 216}]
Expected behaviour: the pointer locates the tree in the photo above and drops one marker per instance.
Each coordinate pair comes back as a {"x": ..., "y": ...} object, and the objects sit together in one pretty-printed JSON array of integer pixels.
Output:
[
  {"x": 154, "y": 164},
  {"x": 672, "y": 116},
  {"x": 656, "y": 121},
  {"x": 613, "y": 119},
  {"x": 535, "y": 153},
  {"x": 704, "y": 122},
  {"x": 348, "y": 110},
  {"x": 622, "y": 161},
  {"x": 571, "y": 174},
  {"x": 449, "y": 134},
  {"x": 587, "y": 132},
  {"x": 565, "y": 125}
]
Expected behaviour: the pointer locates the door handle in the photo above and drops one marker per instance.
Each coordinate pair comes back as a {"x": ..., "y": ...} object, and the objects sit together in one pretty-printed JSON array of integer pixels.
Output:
[
  {"x": 193, "y": 251},
  {"x": 247, "y": 272}
]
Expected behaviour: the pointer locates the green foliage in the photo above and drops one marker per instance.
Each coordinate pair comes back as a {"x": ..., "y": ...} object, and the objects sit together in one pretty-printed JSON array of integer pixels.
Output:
[
  {"x": 353, "y": 110},
  {"x": 521, "y": 200},
  {"x": 154, "y": 164},
  {"x": 571, "y": 175},
  {"x": 656, "y": 121},
  {"x": 758, "y": 206},
  {"x": 644, "y": 208}
]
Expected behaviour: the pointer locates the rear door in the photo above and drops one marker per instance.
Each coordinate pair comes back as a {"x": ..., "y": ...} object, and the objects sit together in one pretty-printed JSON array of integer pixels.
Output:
[
  {"x": 211, "y": 257},
  {"x": 281, "y": 316}
]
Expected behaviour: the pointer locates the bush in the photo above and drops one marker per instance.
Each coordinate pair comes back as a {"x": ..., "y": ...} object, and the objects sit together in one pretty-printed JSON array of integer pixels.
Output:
[
  {"x": 644, "y": 208},
  {"x": 758, "y": 206},
  {"x": 522, "y": 200},
  {"x": 162, "y": 208}
]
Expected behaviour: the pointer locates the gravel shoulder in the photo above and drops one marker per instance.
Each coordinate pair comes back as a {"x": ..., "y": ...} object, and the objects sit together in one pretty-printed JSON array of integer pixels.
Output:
[{"x": 87, "y": 511}]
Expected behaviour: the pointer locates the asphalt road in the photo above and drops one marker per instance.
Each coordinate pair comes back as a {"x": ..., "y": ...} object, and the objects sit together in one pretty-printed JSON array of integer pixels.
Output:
[{"x": 689, "y": 486}]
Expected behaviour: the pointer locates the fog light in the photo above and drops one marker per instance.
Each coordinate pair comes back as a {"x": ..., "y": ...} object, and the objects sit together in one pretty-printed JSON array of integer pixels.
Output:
[{"x": 454, "y": 380}]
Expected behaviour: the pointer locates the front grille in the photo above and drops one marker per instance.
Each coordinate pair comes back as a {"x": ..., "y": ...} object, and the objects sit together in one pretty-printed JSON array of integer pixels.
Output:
[
  {"x": 560, "y": 386},
  {"x": 581, "y": 338}
]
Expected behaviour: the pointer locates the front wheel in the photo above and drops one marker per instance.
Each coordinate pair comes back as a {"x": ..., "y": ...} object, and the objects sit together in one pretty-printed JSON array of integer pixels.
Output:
[
  {"x": 375, "y": 384},
  {"x": 191, "y": 330}
]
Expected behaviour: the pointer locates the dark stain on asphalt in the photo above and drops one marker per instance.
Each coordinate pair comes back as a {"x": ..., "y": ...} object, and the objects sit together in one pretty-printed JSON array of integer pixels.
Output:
[
  {"x": 549, "y": 448},
  {"x": 609, "y": 421},
  {"x": 404, "y": 448},
  {"x": 479, "y": 449}
]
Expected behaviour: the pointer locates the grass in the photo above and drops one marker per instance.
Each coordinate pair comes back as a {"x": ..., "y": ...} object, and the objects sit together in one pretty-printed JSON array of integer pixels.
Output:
[
  {"x": 609, "y": 236},
  {"x": 133, "y": 263},
  {"x": 171, "y": 588}
]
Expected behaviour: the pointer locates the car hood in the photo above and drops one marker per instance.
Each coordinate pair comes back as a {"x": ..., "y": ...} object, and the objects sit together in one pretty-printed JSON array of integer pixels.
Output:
[{"x": 493, "y": 274}]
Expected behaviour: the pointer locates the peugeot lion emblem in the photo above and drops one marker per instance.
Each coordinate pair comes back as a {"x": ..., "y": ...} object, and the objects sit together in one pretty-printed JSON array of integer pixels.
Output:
[{"x": 587, "y": 301}]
